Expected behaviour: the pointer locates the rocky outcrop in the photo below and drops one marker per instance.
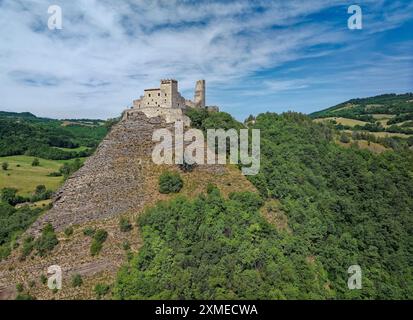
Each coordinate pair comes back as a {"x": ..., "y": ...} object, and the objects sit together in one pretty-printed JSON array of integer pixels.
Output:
[
  {"x": 111, "y": 181},
  {"x": 120, "y": 179}
]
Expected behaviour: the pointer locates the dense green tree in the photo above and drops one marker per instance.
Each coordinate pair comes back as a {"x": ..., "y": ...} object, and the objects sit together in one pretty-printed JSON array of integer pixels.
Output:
[
  {"x": 344, "y": 207},
  {"x": 348, "y": 206},
  {"x": 212, "y": 248}
]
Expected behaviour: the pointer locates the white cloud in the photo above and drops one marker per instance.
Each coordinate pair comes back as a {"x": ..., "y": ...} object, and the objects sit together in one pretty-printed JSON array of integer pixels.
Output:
[{"x": 109, "y": 51}]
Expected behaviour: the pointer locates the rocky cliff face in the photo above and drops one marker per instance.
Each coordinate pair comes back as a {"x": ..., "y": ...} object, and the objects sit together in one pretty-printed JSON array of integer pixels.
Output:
[
  {"x": 120, "y": 179},
  {"x": 112, "y": 181}
]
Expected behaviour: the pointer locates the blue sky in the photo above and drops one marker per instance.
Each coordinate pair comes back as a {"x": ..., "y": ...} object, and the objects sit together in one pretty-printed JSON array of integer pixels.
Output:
[{"x": 256, "y": 56}]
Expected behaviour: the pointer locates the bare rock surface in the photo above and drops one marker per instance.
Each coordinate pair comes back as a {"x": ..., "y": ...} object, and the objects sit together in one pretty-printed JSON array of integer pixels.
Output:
[
  {"x": 111, "y": 181},
  {"x": 120, "y": 179}
]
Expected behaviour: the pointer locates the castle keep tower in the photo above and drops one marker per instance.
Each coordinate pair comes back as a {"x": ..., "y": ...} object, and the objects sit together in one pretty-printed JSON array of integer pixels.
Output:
[
  {"x": 167, "y": 96},
  {"x": 199, "y": 98}
]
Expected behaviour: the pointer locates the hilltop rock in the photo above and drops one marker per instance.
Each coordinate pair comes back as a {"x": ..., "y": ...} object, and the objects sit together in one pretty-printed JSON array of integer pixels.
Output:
[
  {"x": 111, "y": 181},
  {"x": 120, "y": 179}
]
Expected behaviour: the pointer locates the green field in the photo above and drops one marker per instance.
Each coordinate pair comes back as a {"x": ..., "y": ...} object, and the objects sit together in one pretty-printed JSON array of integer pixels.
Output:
[
  {"x": 81, "y": 148},
  {"x": 343, "y": 121},
  {"x": 25, "y": 177}
]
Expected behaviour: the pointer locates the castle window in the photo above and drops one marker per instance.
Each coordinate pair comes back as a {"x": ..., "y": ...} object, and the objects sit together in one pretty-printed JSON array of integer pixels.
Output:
[
  {"x": 165, "y": 94},
  {"x": 149, "y": 94},
  {"x": 159, "y": 94}
]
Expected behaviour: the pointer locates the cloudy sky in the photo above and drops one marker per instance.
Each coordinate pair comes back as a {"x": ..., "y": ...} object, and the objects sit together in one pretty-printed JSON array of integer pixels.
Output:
[{"x": 256, "y": 56}]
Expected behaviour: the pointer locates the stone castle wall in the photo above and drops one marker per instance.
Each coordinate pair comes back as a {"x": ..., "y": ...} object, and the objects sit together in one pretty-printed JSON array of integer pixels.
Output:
[
  {"x": 167, "y": 96},
  {"x": 167, "y": 102}
]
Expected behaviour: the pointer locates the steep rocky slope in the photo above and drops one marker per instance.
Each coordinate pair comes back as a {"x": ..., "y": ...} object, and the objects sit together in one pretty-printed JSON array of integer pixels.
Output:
[{"x": 120, "y": 179}]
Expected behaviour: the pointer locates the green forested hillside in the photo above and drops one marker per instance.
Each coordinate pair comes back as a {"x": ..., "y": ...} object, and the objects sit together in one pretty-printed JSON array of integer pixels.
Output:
[
  {"x": 363, "y": 108},
  {"x": 386, "y": 120},
  {"x": 344, "y": 206},
  {"x": 26, "y": 134},
  {"x": 212, "y": 248},
  {"x": 26, "y": 177},
  {"x": 348, "y": 206}
]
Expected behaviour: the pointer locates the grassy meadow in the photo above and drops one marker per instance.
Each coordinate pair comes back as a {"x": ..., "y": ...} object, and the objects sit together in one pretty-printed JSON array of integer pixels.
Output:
[
  {"x": 343, "y": 121},
  {"x": 25, "y": 177}
]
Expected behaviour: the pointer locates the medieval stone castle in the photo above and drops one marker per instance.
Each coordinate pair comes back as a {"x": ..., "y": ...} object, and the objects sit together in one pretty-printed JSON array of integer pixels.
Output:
[{"x": 166, "y": 101}]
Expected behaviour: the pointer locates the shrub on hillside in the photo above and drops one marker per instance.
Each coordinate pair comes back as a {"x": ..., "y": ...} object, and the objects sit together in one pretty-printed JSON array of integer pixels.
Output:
[
  {"x": 101, "y": 290},
  {"x": 4, "y": 165},
  {"x": 19, "y": 287},
  {"x": 170, "y": 182},
  {"x": 89, "y": 232},
  {"x": 27, "y": 248},
  {"x": 124, "y": 224},
  {"x": 77, "y": 280},
  {"x": 47, "y": 241},
  {"x": 126, "y": 245},
  {"x": 25, "y": 296},
  {"x": 97, "y": 243},
  {"x": 344, "y": 138},
  {"x": 69, "y": 231}
]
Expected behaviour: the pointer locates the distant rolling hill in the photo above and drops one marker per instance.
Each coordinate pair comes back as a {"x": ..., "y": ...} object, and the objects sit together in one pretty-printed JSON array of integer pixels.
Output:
[
  {"x": 387, "y": 113},
  {"x": 365, "y": 108},
  {"x": 25, "y": 134},
  {"x": 25, "y": 115}
]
